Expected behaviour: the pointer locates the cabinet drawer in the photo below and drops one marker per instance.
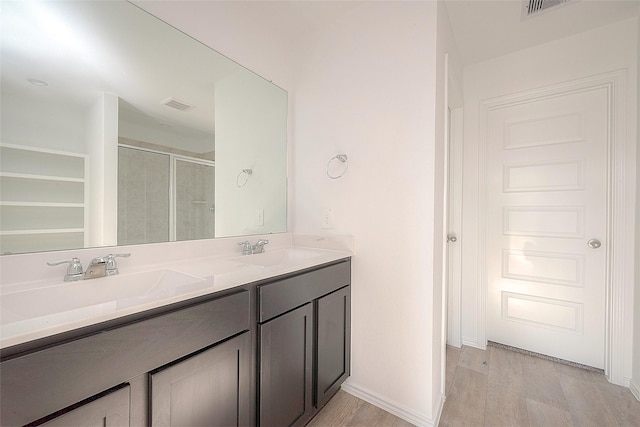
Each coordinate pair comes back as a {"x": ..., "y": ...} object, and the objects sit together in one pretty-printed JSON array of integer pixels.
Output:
[
  {"x": 39, "y": 383},
  {"x": 111, "y": 410},
  {"x": 279, "y": 297}
]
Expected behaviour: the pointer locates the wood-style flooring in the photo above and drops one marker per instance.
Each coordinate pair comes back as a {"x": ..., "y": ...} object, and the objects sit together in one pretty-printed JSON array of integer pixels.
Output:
[
  {"x": 345, "y": 409},
  {"x": 498, "y": 387}
]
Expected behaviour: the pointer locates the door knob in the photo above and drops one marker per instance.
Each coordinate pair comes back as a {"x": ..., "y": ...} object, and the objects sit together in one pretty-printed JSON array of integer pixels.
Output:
[
  {"x": 452, "y": 238},
  {"x": 594, "y": 243}
]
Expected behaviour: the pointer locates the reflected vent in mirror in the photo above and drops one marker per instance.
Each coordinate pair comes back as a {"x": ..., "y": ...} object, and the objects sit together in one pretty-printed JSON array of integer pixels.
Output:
[
  {"x": 177, "y": 104},
  {"x": 534, "y": 7}
]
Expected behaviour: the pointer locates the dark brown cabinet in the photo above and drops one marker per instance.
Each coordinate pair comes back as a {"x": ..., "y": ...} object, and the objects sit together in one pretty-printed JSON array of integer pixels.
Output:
[
  {"x": 304, "y": 343},
  {"x": 210, "y": 388},
  {"x": 197, "y": 337},
  {"x": 286, "y": 368}
]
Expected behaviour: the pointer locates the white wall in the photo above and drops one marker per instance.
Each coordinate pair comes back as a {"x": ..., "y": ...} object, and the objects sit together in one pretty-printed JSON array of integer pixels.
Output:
[
  {"x": 366, "y": 86},
  {"x": 250, "y": 134},
  {"x": 36, "y": 118},
  {"x": 598, "y": 51},
  {"x": 102, "y": 148}
]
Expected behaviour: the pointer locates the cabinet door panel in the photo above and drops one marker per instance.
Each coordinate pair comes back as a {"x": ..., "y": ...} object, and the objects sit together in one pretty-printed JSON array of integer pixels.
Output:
[
  {"x": 208, "y": 389},
  {"x": 110, "y": 410},
  {"x": 286, "y": 368},
  {"x": 333, "y": 320}
]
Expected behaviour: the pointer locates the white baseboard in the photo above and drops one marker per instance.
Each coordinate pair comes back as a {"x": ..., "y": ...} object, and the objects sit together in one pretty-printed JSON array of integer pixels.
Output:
[
  {"x": 473, "y": 343},
  {"x": 440, "y": 408},
  {"x": 393, "y": 407},
  {"x": 635, "y": 389}
]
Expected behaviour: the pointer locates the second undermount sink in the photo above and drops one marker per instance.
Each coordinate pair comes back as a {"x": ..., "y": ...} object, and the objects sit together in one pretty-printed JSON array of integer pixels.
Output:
[
  {"x": 104, "y": 294},
  {"x": 279, "y": 258}
]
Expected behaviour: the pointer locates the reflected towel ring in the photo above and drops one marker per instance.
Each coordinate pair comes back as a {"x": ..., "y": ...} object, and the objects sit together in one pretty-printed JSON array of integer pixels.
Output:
[
  {"x": 342, "y": 158},
  {"x": 246, "y": 173}
]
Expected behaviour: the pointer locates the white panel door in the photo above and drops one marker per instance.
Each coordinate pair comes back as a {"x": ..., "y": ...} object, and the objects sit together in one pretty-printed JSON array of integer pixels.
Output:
[{"x": 546, "y": 199}]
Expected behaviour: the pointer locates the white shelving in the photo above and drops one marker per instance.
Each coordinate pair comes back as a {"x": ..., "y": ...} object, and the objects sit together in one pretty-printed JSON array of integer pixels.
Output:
[{"x": 43, "y": 196}]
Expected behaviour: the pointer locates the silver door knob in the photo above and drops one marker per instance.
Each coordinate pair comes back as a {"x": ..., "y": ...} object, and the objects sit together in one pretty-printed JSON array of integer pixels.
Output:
[
  {"x": 452, "y": 238},
  {"x": 594, "y": 243}
]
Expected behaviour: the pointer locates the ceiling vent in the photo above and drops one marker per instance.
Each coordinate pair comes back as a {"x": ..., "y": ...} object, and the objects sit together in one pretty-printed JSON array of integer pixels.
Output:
[
  {"x": 535, "y": 7},
  {"x": 177, "y": 104}
]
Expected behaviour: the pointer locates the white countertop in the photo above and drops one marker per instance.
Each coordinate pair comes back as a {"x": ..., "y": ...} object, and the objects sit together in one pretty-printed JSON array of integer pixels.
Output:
[{"x": 40, "y": 309}]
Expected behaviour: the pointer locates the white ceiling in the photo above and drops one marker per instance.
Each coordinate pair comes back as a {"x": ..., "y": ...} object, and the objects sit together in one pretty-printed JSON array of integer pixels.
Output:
[
  {"x": 487, "y": 29},
  {"x": 483, "y": 29}
]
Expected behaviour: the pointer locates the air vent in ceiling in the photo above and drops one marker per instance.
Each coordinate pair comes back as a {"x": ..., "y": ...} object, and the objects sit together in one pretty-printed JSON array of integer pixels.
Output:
[
  {"x": 534, "y": 7},
  {"x": 176, "y": 103}
]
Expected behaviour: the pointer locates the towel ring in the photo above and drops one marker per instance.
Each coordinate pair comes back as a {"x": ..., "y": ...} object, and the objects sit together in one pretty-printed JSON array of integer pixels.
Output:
[
  {"x": 342, "y": 158},
  {"x": 242, "y": 182}
]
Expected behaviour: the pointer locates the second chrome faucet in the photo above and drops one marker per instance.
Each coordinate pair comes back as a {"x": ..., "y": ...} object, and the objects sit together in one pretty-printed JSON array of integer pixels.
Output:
[{"x": 249, "y": 249}]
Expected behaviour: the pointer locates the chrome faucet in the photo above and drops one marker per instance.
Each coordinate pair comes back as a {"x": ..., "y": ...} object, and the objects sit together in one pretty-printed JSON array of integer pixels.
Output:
[
  {"x": 103, "y": 266},
  {"x": 98, "y": 267},
  {"x": 258, "y": 248}
]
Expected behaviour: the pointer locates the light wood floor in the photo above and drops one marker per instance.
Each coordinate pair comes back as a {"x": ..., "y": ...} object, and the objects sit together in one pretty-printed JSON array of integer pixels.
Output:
[
  {"x": 498, "y": 387},
  {"x": 347, "y": 410}
]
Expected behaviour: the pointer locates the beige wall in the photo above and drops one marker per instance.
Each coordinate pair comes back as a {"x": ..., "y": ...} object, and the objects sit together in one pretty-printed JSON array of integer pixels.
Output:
[{"x": 366, "y": 86}]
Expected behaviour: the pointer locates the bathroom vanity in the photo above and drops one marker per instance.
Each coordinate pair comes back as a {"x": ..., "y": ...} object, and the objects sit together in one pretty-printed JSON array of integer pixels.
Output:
[{"x": 268, "y": 352}]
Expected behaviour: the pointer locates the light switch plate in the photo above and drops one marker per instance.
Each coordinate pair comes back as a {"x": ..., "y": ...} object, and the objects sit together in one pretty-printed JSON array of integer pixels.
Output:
[
  {"x": 327, "y": 218},
  {"x": 260, "y": 217}
]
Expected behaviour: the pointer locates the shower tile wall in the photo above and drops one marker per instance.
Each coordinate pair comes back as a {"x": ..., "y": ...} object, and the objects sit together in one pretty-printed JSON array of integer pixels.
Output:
[
  {"x": 194, "y": 201},
  {"x": 143, "y": 197}
]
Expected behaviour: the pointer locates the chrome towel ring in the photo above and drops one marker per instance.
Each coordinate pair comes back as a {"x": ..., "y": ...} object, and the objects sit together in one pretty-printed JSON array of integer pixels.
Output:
[
  {"x": 342, "y": 166},
  {"x": 243, "y": 177}
]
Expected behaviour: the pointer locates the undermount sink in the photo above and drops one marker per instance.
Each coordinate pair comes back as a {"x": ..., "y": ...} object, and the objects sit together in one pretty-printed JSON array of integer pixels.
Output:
[
  {"x": 279, "y": 258},
  {"x": 211, "y": 268},
  {"x": 95, "y": 296}
]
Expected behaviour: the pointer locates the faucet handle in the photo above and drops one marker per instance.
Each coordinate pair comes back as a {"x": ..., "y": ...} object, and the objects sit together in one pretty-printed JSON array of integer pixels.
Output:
[
  {"x": 74, "y": 270},
  {"x": 246, "y": 247},
  {"x": 259, "y": 246},
  {"x": 111, "y": 266}
]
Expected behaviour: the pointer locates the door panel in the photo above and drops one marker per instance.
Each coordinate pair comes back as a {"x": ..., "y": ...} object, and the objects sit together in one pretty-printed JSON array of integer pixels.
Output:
[{"x": 546, "y": 198}]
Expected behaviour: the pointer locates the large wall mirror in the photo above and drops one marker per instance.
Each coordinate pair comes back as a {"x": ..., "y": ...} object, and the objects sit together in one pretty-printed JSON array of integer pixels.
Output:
[{"x": 116, "y": 129}]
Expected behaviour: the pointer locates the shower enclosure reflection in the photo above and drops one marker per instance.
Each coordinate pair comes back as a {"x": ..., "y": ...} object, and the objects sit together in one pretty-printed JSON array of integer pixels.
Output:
[{"x": 164, "y": 197}]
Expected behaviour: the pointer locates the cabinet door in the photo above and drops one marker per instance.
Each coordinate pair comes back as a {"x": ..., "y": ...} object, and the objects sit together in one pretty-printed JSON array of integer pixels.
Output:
[
  {"x": 334, "y": 338},
  {"x": 286, "y": 368},
  {"x": 110, "y": 410},
  {"x": 211, "y": 388}
]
